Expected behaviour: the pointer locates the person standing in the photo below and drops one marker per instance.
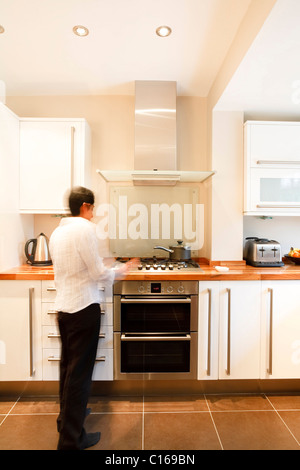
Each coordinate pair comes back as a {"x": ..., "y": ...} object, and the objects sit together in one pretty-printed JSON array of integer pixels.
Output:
[{"x": 78, "y": 268}]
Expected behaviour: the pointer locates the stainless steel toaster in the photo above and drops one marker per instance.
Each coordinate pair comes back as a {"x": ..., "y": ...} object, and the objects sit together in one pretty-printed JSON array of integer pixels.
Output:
[{"x": 261, "y": 252}]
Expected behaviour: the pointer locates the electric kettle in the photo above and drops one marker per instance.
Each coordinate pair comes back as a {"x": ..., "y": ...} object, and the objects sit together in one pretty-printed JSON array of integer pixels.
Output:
[{"x": 40, "y": 254}]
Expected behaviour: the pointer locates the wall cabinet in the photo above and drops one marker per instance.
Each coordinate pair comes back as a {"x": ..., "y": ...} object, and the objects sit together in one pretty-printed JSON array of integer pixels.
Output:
[
  {"x": 280, "y": 330},
  {"x": 271, "y": 168},
  {"x": 20, "y": 330},
  {"x": 55, "y": 155},
  {"x": 229, "y": 330}
]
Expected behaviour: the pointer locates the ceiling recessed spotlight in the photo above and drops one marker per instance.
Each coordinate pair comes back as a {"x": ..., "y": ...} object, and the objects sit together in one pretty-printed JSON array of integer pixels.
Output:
[
  {"x": 163, "y": 31},
  {"x": 1, "y": 29},
  {"x": 80, "y": 30}
]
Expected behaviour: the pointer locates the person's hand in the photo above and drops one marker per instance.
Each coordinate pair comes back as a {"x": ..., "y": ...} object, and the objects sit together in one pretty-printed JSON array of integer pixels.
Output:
[{"x": 124, "y": 268}]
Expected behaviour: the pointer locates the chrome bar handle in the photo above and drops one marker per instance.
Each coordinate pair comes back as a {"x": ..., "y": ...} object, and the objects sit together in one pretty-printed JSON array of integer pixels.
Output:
[
  {"x": 31, "y": 367},
  {"x": 124, "y": 337},
  {"x": 53, "y": 359},
  {"x": 278, "y": 206},
  {"x": 270, "y": 369},
  {"x": 57, "y": 335},
  {"x": 57, "y": 359},
  {"x": 100, "y": 359},
  {"x": 278, "y": 162},
  {"x": 228, "y": 331},
  {"x": 208, "y": 371},
  {"x": 156, "y": 300}
]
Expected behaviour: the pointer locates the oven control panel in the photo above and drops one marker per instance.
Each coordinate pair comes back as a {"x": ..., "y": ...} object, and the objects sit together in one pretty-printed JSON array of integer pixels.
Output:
[{"x": 156, "y": 287}]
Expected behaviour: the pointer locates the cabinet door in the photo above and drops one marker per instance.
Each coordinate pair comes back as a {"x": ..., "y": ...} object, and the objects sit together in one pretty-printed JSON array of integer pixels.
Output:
[
  {"x": 239, "y": 347},
  {"x": 270, "y": 142},
  {"x": 274, "y": 190},
  {"x": 280, "y": 330},
  {"x": 208, "y": 331},
  {"x": 54, "y": 156},
  {"x": 20, "y": 334}
]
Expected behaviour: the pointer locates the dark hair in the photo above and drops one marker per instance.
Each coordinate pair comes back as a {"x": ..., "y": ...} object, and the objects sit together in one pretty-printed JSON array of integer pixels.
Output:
[{"x": 77, "y": 197}]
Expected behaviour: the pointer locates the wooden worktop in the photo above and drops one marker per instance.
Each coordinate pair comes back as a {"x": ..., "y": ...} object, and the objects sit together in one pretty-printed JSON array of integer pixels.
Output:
[{"x": 236, "y": 273}]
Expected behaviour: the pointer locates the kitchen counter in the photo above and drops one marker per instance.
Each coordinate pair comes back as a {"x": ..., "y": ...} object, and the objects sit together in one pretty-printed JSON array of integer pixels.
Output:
[{"x": 237, "y": 272}]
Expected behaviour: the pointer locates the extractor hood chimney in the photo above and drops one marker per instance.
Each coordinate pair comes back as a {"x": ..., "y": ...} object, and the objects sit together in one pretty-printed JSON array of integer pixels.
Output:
[
  {"x": 155, "y": 158},
  {"x": 155, "y": 126}
]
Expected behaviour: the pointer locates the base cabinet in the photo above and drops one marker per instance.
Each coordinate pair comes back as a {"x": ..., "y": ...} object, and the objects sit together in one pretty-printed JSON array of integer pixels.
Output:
[
  {"x": 51, "y": 349},
  {"x": 280, "y": 350},
  {"x": 229, "y": 330},
  {"x": 20, "y": 331}
]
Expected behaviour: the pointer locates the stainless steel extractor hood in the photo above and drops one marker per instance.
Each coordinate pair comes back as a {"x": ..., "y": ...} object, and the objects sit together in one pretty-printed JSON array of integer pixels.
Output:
[{"x": 155, "y": 158}]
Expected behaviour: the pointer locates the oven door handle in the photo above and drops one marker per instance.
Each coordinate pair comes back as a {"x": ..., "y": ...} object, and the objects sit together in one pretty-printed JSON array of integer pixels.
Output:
[
  {"x": 156, "y": 338},
  {"x": 147, "y": 300}
]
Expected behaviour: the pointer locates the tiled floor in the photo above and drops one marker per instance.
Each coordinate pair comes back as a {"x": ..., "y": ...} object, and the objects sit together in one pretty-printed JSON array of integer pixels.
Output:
[{"x": 214, "y": 422}]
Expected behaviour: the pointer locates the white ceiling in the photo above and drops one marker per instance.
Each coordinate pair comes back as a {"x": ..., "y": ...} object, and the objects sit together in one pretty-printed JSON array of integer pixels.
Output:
[
  {"x": 267, "y": 82},
  {"x": 40, "y": 55}
]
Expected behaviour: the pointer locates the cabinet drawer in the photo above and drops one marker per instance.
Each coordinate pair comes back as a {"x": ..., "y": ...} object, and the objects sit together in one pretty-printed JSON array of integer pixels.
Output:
[
  {"x": 103, "y": 369},
  {"x": 49, "y": 314},
  {"x": 48, "y": 291},
  {"x": 105, "y": 292},
  {"x": 51, "y": 358},
  {"x": 51, "y": 337},
  {"x": 106, "y": 314}
]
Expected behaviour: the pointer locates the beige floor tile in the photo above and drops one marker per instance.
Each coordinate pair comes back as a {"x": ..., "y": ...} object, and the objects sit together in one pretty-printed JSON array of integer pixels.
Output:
[
  {"x": 253, "y": 430},
  {"x": 238, "y": 402},
  {"x": 175, "y": 403},
  {"x": 180, "y": 431},
  {"x": 34, "y": 432},
  {"x": 118, "y": 431}
]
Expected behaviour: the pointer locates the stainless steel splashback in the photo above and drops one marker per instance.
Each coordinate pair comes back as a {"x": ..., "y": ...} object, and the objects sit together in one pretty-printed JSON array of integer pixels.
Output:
[{"x": 155, "y": 125}]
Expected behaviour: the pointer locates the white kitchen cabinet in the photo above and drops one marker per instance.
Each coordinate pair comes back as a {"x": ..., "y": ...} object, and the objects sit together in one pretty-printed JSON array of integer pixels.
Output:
[
  {"x": 54, "y": 156},
  {"x": 271, "y": 168},
  {"x": 208, "y": 330},
  {"x": 280, "y": 330},
  {"x": 229, "y": 330},
  {"x": 272, "y": 142},
  {"x": 240, "y": 322},
  {"x": 20, "y": 330},
  {"x": 51, "y": 345}
]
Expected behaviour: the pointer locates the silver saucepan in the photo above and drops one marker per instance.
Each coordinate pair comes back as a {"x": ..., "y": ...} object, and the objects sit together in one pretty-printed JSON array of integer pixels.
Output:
[{"x": 178, "y": 252}]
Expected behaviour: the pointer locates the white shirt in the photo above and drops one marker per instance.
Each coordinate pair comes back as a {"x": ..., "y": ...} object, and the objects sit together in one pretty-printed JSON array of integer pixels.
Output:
[{"x": 78, "y": 267}]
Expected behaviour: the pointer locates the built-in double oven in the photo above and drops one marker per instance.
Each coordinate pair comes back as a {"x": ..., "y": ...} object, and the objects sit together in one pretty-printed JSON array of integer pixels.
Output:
[{"x": 155, "y": 330}]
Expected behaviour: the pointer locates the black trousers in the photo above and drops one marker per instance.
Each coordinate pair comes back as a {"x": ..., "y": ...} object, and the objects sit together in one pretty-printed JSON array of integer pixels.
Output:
[{"x": 79, "y": 339}]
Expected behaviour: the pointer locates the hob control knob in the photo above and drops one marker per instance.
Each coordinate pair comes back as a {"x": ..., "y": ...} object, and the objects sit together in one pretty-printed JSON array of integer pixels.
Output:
[
  {"x": 141, "y": 289},
  {"x": 169, "y": 289},
  {"x": 180, "y": 289}
]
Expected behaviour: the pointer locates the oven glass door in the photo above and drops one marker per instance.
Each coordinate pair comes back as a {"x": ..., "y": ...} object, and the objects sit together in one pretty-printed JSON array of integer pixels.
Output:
[
  {"x": 162, "y": 353},
  {"x": 156, "y": 315}
]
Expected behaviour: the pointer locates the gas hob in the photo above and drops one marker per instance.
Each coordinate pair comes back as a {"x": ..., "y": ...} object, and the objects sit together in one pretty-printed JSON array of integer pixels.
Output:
[{"x": 165, "y": 265}]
